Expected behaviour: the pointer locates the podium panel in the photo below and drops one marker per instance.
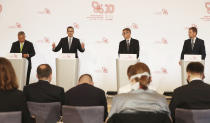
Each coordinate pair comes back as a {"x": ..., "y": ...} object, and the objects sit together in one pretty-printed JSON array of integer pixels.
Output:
[
  {"x": 184, "y": 72},
  {"x": 66, "y": 72},
  {"x": 20, "y": 66},
  {"x": 122, "y": 66}
]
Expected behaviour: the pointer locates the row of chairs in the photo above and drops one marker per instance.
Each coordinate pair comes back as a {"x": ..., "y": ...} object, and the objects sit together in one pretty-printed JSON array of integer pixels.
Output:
[{"x": 51, "y": 113}]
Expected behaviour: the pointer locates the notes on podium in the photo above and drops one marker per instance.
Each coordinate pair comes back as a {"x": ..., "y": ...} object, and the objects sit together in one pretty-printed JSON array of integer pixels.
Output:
[
  {"x": 66, "y": 70},
  {"x": 122, "y": 64},
  {"x": 20, "y": 66},
  {"x": 188, "y": 59}
]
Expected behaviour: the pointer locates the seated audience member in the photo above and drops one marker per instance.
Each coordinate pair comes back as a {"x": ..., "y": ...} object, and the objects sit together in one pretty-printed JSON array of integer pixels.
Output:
[
  {"x": 85, "y": 94},
  {"x": 140, "y": 98},
  {"x": 42, "y": 91},
  {"x": 195, "y": 95},
  {"x": 11, "y": 98}
]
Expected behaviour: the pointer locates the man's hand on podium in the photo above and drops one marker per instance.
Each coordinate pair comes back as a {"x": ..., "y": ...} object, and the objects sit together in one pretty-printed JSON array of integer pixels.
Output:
[
  {"x": 25, "y": 55},
  {"x": 53, "y": 45},
  {"x": 83, "y": 45}
]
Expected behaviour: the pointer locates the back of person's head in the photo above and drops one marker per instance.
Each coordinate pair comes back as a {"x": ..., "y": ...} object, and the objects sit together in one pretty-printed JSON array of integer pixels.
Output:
[
  {"x": 86, "y": 78},
  {"x": 8, "y": 79},
  {"x": 195, "y": 69},
  {"x": 44, "y": 72},
  {"x": 140, "y": 73}
]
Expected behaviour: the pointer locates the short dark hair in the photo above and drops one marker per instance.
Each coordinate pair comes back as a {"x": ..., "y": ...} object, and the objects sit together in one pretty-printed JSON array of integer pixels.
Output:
[
  {"x": 86, "y": 75},
  {"x": 44, "y": 71},
  {"x": 195, "y": 67},
  {"x": 70, "y": 27},
  {"x": 21, "y": 33},
  {"x": 127, "y": 29},
  {"x": 194, "y": 29}
]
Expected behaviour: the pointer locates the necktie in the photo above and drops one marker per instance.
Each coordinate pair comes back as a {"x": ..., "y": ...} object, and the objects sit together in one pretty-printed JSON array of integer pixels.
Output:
[
  {"x": 21, "y": 47},
  {"x": 192, "y": 44},
  {"x": 69, "y": 43},
  {"x": 128, "y": 45}
]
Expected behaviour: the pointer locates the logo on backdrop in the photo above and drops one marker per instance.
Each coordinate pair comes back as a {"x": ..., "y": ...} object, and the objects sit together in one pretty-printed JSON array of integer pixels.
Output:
[
  {"x": 1, "y": 8},
  {"x": 45, "y": 40},
  {"x": 207, "y": 16},
  {"x": 162, "y": 12},
  {"x": 76, "y": 25},
  {"x": 102, "y": 70},
  {"x": 104, "y": 40},
  {"x": 162, "y": 41},
  {"x": 17, "y": 25},
  {"x": 161, "y": 71},
  {"x": 45, "y": 11},
  {"x": 101, "y": 11}
]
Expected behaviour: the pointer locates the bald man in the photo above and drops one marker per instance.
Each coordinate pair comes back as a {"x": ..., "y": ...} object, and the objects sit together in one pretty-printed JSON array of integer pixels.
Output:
[{"x": 85, "y": 94}]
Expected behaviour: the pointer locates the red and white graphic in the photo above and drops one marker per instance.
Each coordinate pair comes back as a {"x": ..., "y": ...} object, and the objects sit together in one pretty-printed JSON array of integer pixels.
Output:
[
  {"x": 207, "y": 5},
  {"x": 102, "y": 11},
  {"x": 76, "y": 25},
  {"x": 45, "y": 11},
  {"x": 206, "y": 17},
  {"x": 162, "y": 12},
  {"x": 162, "y": 41},
  {"x": 1, "y": 8},
  {"x": 104, "y": 40},
  {"x": 44, "y": 40},
  {"x": 17, "y": 25},
  {"x": 102, "y": 70},
  {"x": 161, "y": 71}
]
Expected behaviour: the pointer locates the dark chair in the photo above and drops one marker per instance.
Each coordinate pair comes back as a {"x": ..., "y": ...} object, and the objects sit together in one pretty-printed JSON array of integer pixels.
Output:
[
  {"x": 45, "y": 112},
  {"x": 192, "y": 116},
  {"x": 10, "y": 117},
  {"x": 140, "y": 117},
  {"x": 92, "y": 114}
]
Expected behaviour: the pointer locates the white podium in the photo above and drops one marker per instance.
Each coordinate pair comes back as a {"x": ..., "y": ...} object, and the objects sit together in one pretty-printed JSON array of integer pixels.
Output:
[
  {"x": 20, "y": 66},
  {"x": 66, "y": 71},
  {"x": 122, "y": 65},
  {"x": 188, "y": 59}
]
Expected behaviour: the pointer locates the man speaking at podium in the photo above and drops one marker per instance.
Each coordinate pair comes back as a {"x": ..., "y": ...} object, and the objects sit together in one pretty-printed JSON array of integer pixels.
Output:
[
  {"x": 69, "y": 44},
  {"x": 193, "y": 45},
  {"x": 26, "y": 48},
  {"x": 129, "y": 45}
]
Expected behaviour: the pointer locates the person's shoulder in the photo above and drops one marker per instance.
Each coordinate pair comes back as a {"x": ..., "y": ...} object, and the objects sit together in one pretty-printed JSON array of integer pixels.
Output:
[
  {"x": 57, "y": 87},
  {"x": 200, "y": 39},
  {"x": 64, "y": 38},
  {"x": 136, "y": 40},
  {"x": 122, "y": 41},
  {"x": 180, "y": 89},
  {"x": 15, "y": 42}
]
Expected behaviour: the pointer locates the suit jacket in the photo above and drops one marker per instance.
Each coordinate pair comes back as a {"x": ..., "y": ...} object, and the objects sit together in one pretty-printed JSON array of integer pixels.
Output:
[
  {"x": 140, "y": 117},
  {"x": 43, "y": 92},
  {"x": 14, "y": 100},
  {"x": 198, "y": 49},
  {"x": 86, "y": 95},
  {"x": 133, "y": 48},
  {"x": 64, "y": 44},
  {"x": 28, "y": 48},
  {"x": 195, "y": 95}
]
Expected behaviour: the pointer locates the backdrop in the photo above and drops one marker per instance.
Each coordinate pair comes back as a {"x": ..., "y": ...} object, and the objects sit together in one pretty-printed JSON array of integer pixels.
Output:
[{"x": 161, "y": 26}]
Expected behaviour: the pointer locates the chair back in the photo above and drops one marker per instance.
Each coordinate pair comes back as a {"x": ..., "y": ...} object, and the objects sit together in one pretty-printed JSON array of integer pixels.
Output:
[
  {"x": 77, "y": 114},
  {"x": 192, "y": 116},
  {"x": 10, "y": 117},
  {"x": 45, "y": 112}
]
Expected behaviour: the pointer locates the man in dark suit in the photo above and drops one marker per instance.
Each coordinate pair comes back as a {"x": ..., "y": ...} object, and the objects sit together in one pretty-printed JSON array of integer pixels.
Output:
[
  {"x": 43, "y": 91},
  {"x": 26, "y": 48},
  {"x": 193, "y": 45},
  {"x": 195, "y": 95},
  {"x": 85, "y": 94},
  {"x": 69, "y": 44},
  {"x": 129, "y": 45}
]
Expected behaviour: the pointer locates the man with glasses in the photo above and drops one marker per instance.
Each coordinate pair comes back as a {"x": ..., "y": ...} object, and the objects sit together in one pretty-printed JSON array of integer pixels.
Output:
[{"x": 129, "y": 45}]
